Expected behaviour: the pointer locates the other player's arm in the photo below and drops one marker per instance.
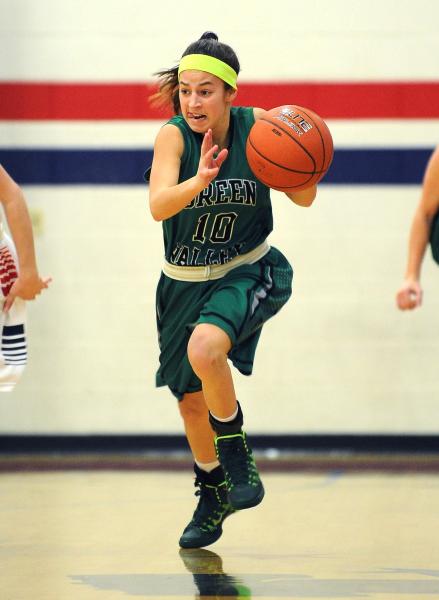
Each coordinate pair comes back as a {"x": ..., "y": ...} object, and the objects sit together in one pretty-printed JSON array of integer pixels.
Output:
[
  {"x": 305, "y": 197},
  {"x": 28, "y": 283},
  {"x": 167, "y": 197},
  {"x": 409, "y": 296}
]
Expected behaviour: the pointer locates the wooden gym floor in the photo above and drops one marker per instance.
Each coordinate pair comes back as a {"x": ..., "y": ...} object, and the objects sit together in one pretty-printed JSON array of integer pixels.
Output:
[{"x": 112, "y": 535}]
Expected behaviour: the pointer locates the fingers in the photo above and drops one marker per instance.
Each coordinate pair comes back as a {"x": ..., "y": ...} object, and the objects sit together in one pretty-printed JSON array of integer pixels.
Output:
[
  {"x": 414, "y": 298},
  {"x": 403, "y": 300},
  {"x": 209, "y": 163},
  {"x": 221, "y": 157},
  {"x": 208, "y": 157},
  {"x": 208, "y": 149},
  {"x": 409, "y": 295},
  {"x": 207, "y": 142},
  {"x": 9, "y": 301},
  {"x": 25, "y": 291},
  {"x": 408, "y": 299},
  {"x": 215, "y": 163}
]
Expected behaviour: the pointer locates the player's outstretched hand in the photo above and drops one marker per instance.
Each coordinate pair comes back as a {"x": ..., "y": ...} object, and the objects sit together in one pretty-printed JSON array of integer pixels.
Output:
[
  {"x": 26, "y": 287},
  {"x": 210, "y": 164}
]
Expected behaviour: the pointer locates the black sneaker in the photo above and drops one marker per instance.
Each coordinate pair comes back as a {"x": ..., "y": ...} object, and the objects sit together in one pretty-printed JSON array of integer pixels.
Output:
[
  {"x": 243, "y": 483},
  {"x": 213, "y": 507}
]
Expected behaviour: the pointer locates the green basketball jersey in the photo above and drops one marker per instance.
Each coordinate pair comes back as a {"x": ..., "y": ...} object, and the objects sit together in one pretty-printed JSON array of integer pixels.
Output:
[
  {"x": 232, "y": 215},
  {"x": 434, "y": 237}
]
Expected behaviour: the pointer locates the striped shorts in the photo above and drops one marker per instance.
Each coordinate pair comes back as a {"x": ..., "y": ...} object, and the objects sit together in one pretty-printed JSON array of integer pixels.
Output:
[{"x": 13, "y": 343}]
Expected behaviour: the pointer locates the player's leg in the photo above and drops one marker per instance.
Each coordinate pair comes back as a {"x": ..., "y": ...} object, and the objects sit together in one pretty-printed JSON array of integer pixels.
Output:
[
  {"x": 207, "y": 351},
  {"x": 199, "y": 433},
  {"x": 213, "y": 506}
]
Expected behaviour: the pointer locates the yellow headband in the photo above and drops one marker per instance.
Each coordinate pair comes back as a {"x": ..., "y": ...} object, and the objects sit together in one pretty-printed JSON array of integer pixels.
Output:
[{"x": 209, "y": 64}]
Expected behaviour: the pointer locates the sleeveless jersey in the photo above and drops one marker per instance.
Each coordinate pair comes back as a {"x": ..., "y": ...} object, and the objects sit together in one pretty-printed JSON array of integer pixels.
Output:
[
  {"x": 434, "y": 237},
  {"x": 232, "y": 215}
]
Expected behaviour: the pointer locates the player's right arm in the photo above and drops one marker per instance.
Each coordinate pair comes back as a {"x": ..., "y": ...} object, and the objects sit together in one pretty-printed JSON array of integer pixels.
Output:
[
  {"x": 409, "y": 296},
  {"x": 167, "y": 197},
  {"x": 28, "y": 284}
]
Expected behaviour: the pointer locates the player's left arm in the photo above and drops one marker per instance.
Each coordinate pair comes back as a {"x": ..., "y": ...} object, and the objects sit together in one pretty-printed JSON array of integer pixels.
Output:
[
  {"x": 259, "y": 113},
  {"x": 304, "y": 197}
]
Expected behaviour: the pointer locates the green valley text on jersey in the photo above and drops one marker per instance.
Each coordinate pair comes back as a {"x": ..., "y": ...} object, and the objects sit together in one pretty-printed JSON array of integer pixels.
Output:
[{"x": 232, "y": 215}]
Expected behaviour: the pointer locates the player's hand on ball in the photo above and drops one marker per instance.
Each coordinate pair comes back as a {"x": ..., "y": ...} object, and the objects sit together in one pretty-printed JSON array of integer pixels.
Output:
[{"x": 289, "y": 148}]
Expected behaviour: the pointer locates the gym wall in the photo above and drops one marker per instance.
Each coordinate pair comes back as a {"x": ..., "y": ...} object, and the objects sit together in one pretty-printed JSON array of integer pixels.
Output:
[{"x": 339, "y": 358}]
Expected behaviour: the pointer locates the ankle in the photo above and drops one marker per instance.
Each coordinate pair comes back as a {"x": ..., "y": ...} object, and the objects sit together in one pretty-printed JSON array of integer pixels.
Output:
[
  {"x": 207, "y": 467},
  {"x": 214, "y": 477},
  {"x": 227, "y": 427}
]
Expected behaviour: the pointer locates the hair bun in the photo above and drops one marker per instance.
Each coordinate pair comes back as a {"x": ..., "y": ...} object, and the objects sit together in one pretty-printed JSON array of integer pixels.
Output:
[{"x": 209, "y": 35}]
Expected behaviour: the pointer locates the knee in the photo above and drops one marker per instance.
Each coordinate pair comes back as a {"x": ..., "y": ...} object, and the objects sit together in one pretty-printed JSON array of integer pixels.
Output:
[
  {"x": 205, "y": 352},
  {"x": 193, "y": 407}
]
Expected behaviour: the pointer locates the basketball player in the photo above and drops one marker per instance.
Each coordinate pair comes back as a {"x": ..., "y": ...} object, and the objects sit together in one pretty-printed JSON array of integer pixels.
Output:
[
  {"x": 409, "y": 296},
  {"x": 28, "y": 283},
  {"x": 221, "y": 280}
]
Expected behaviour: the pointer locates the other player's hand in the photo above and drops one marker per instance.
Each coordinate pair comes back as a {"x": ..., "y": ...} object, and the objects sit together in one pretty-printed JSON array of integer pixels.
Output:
[
  {"x": 409, "y": 296},
  {"x": 27, "y": 286}
]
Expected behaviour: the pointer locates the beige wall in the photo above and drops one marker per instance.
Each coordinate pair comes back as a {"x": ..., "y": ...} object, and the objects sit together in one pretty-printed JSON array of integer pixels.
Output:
[{"x": 339, "y": 357}]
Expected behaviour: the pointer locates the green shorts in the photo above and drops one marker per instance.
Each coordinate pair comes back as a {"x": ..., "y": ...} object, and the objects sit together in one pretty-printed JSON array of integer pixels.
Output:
[{"x": 239, "y": 303}]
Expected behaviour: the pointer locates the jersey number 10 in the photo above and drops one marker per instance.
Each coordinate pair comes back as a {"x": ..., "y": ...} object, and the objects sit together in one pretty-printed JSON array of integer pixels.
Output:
[{"x": 220, "y": 231}]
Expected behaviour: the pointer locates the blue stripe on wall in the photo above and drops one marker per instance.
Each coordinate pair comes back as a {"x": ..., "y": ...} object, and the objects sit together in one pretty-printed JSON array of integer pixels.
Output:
[
  {"x": 378, "y": 166},
  {"x": 100, "y": 167},
  {"x": 76, "y": 167}
]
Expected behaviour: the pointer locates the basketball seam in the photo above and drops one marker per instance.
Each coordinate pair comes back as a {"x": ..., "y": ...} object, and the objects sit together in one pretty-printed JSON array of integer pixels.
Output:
[
  {"x": 281, "y": 187},
  {"x": 281, "y": 166},
  {"x": 320, "y": 134},
  {"x": 286, "y": 187},
  {"x": 295, "y": 141}
]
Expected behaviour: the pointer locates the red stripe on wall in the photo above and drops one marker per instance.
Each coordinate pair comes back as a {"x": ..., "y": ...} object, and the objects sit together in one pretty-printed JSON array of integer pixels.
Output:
[
  {"x": 129, "y": 101},
  {"x": 76, "y": 101}
]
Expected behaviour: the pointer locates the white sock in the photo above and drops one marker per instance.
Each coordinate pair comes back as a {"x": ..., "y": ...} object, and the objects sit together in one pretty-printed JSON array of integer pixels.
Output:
[
  {"x": 227, "y": 419},
  {"x": 208, "y": 467}
]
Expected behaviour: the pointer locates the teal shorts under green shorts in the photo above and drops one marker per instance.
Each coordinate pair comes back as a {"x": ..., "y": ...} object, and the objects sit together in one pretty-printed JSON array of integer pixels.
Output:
[{"x": 239, "y": 303}]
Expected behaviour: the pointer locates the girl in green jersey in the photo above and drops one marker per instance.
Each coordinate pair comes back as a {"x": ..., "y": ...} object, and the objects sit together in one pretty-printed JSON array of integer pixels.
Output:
[{"x": 221, "y": 280}]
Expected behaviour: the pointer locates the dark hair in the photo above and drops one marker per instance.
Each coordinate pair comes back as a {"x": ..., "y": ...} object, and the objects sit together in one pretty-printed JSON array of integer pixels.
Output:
[{"x": 168, "y": 78}]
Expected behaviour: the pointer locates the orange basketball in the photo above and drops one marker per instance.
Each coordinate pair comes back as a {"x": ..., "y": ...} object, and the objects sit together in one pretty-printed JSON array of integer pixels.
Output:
[{"x": 290, "y": 148}]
